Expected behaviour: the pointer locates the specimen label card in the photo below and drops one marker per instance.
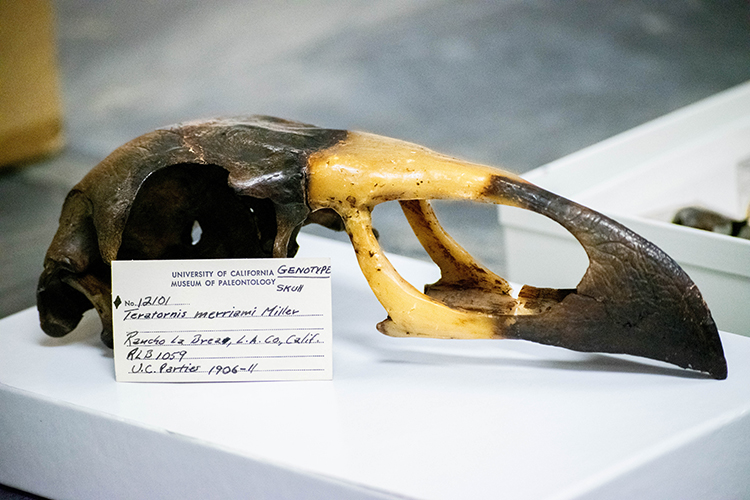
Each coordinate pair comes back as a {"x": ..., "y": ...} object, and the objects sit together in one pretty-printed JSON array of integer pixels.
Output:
[{"x": 222, "y": 320}]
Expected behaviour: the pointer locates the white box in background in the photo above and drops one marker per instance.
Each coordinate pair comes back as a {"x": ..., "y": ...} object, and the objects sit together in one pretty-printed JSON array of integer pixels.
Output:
[{"x": 698, "y": 155}]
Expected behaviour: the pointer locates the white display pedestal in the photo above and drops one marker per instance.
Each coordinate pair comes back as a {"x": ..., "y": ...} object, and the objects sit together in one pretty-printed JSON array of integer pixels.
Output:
[{"x": 403, "y": 418}]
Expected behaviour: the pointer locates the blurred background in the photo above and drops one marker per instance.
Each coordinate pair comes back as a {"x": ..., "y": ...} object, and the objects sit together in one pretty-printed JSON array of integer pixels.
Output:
[{"x": 514, "y": 84}]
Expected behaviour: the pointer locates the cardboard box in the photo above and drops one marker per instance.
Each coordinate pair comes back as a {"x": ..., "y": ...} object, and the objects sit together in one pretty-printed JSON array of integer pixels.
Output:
[
  {"x": 699, "y": 155},
  {"x": 30, "y": 109}
]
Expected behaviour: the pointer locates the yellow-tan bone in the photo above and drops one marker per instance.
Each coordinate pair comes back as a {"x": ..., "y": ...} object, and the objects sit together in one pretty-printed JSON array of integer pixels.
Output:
[{"x": 371, "y": 169}]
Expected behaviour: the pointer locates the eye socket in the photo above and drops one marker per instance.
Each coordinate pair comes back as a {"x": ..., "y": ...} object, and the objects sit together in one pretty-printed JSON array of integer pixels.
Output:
[
  {"x": 196, "y": 233},
  {"x": 188, "y": 211}
]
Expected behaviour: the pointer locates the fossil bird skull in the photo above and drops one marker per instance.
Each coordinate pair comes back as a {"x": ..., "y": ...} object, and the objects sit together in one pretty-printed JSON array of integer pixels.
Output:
[{"x": 251, "y": 184}]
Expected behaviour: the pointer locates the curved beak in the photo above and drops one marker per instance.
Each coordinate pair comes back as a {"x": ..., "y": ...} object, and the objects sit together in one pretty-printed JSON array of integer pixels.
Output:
[{"x": 633, "y": 299}]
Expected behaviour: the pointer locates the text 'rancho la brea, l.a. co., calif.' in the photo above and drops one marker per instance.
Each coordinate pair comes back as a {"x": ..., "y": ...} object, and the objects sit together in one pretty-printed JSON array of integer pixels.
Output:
[{"x": 223, "y": 320}]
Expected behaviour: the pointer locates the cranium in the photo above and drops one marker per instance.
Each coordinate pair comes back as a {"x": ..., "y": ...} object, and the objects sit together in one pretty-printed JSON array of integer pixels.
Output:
[{"x": 251, "y": 183}]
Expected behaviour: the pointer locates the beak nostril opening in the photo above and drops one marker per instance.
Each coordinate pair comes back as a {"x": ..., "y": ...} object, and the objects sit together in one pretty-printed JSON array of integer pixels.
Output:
[{"x": 196, "y": 233}]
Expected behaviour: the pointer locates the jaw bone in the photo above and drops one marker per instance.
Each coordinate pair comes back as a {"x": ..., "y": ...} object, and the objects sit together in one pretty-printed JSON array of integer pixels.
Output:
[
  {"x": 252, "y": 182},
  {"x": 633, "y": 299}
]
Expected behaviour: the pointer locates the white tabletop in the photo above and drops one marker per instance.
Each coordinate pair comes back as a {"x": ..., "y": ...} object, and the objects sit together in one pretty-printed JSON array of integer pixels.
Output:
[{"x": 402, "y": 417}]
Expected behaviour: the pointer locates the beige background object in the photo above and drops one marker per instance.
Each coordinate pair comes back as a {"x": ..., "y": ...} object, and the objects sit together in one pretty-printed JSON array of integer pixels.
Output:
[{"x": 30, "y": 110}]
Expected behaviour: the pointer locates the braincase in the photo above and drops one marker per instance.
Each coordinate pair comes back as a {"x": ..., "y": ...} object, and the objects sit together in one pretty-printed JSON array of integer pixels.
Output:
[{"x": 257, "y": 157}]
